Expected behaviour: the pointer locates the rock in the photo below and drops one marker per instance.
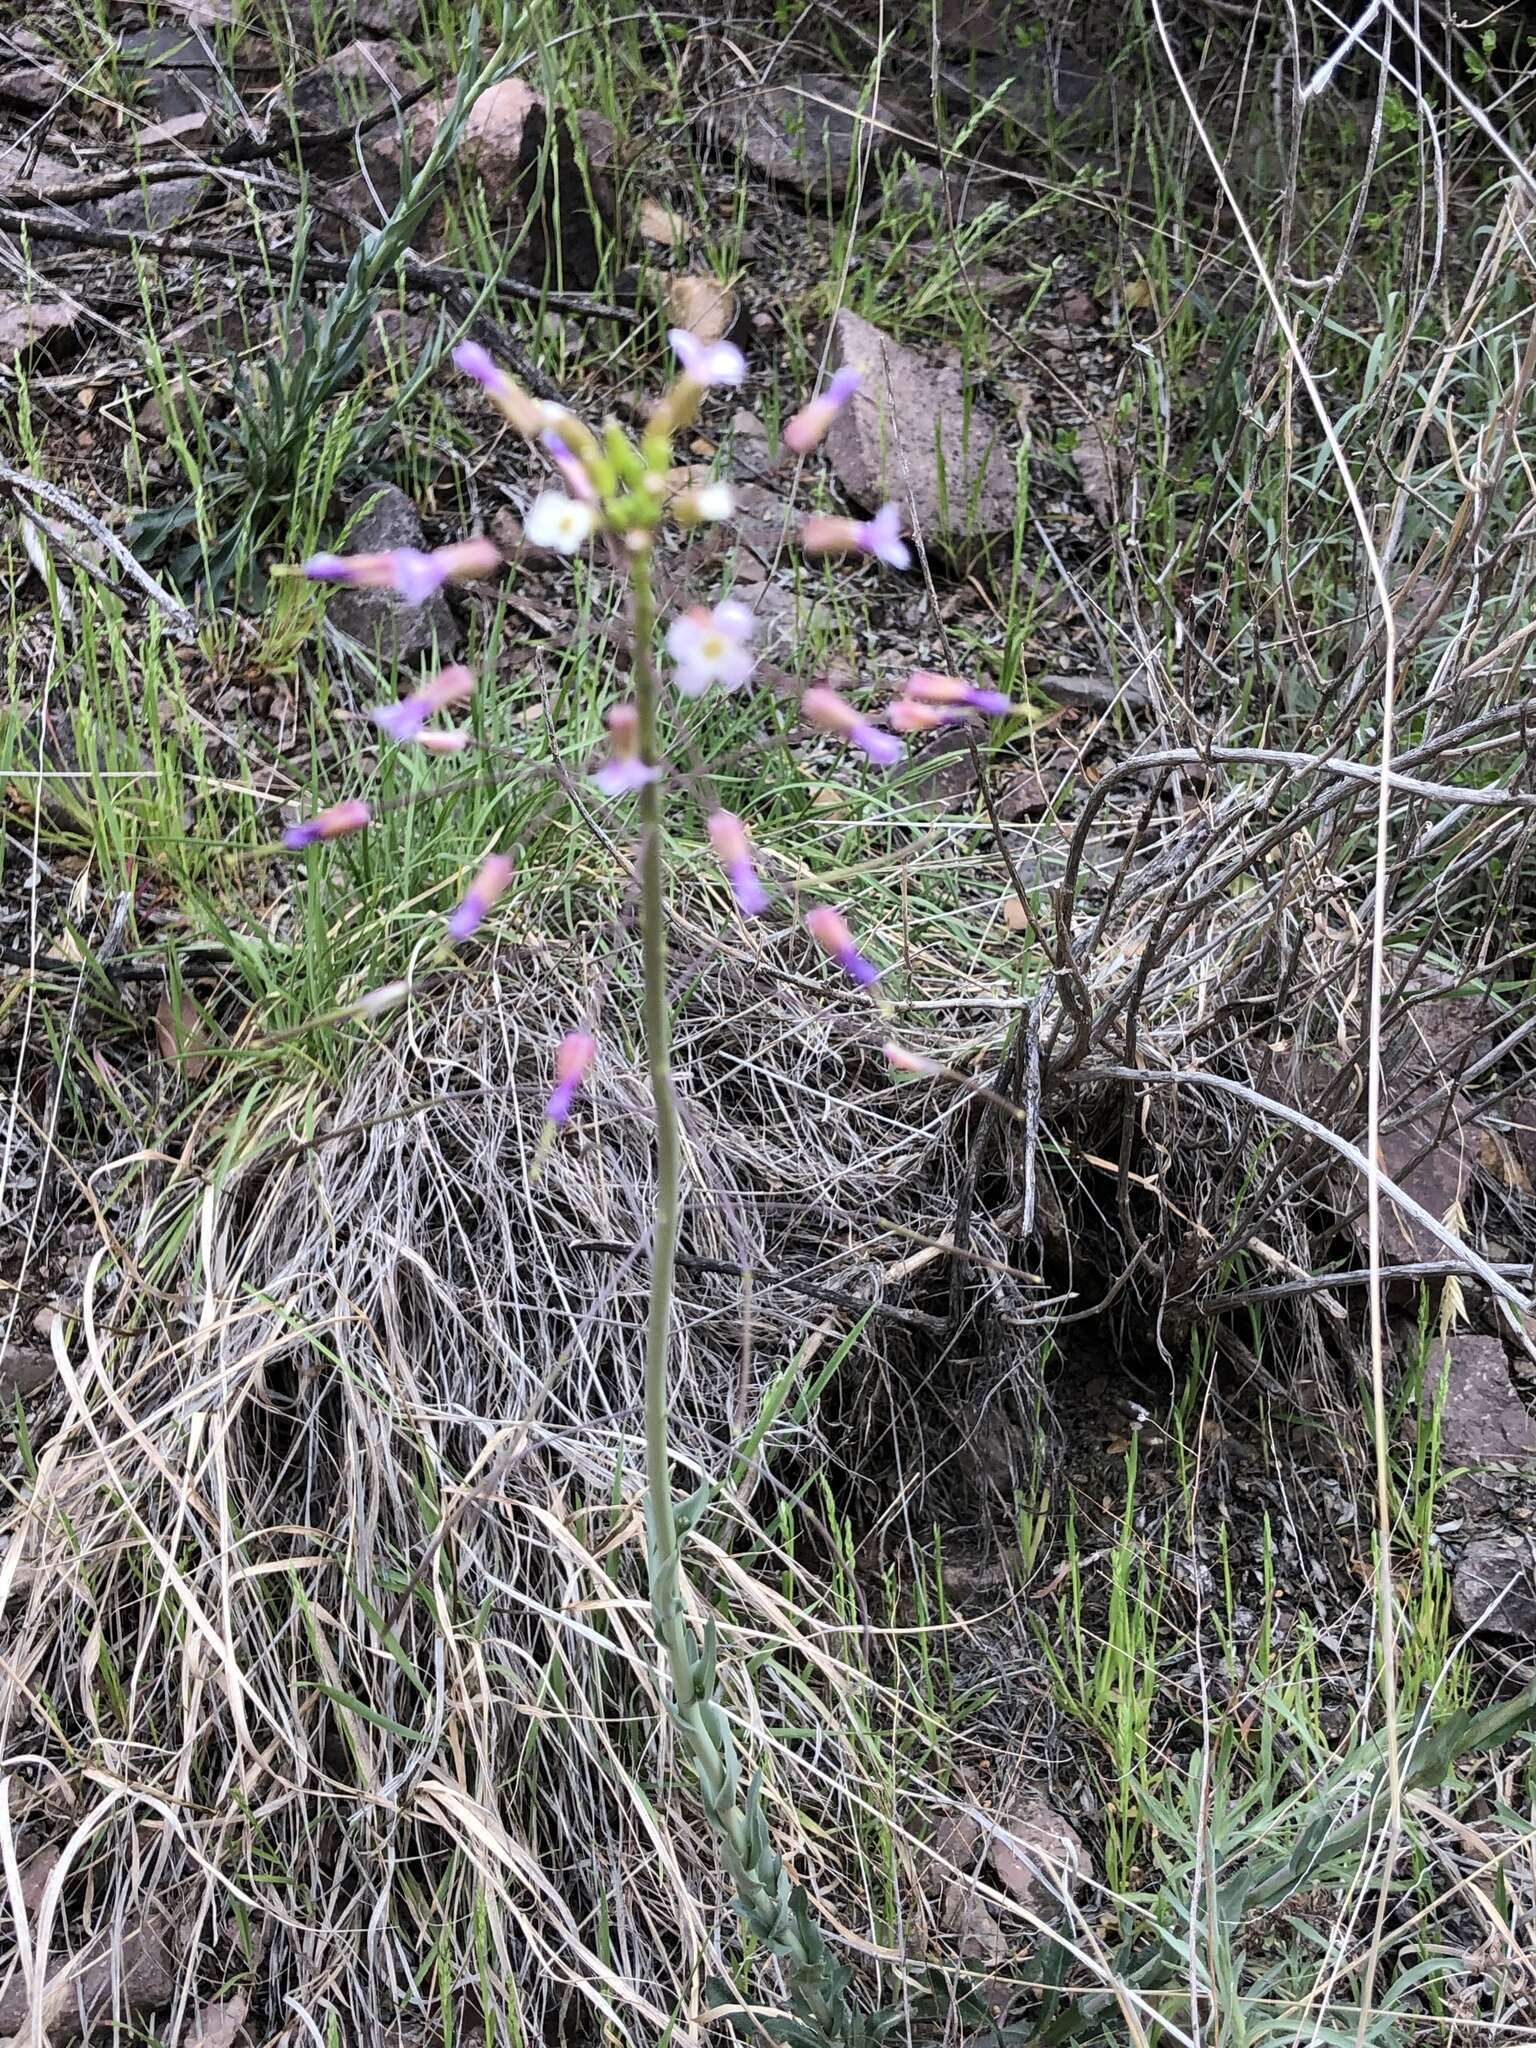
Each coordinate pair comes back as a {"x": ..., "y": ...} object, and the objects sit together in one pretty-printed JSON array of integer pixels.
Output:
[
  {"x": 174, "y": 72},
  {"x": 811, "y": 131},
  {"x": 132, "y": 1975},
  {"x": 1097, "y": 460},
  {"x": 21, "y": 164},
  {"x": 389, "y": 17},
  {"x": 971, "y": 25},
  {"x": 1431, "y": 1157},
  {"x": 27, "y": 325},
  {"x": 23, "y": 1369},
  {"x": 943, "y": 771},
  {"x": 1493, "y": 1591},
  {"x": 361, "y": 79},
  {"x": 702, "y": 304},
  {"x": 1039, "y": 1857},
  {"x": 1483, "y": 1421},
  {"x": 955, "y": 197},
  {"x": 1055, "y": 92},
  {"x": 152, "y": 207},
  {"x": 911, "y": 434},
  {"x": 377, "y": 619},
  {"x": 535, "y": 186}
]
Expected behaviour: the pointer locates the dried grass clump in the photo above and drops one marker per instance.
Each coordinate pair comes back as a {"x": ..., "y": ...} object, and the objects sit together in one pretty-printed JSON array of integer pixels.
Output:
[{"x": 324, "y": 1619}]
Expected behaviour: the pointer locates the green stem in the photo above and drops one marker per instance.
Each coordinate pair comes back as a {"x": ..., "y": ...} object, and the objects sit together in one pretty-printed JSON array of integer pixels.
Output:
[
  {"x": 776, "y": 1914},
  {"x": 658, "y": 1053}
]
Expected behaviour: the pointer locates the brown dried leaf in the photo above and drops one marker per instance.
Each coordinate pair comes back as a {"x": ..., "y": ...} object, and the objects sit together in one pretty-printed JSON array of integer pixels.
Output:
[
  {"x": 217, "y": 2026},
  {"x": 703, "y": 305},
  {"x": 661, "y": 225},
  {"x": 183, "y": 1037}
]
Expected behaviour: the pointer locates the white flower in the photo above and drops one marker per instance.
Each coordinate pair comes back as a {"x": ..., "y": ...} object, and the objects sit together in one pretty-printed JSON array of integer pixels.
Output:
[
  {"x": 714, "y": 502},
  {"x": 707, "y": 362},
  {"x": 710, "y": 646},
  {"x": 558, "y": 522}
]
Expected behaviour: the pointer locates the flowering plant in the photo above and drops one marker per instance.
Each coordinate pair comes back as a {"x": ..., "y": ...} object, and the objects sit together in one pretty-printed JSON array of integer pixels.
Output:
[{"x": 613, "y": 488}]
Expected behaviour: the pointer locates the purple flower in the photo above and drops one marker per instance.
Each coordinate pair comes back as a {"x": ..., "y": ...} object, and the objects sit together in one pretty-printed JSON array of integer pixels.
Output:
[
  {"x": 403, "y": 721},
  {"x": 831, "y": 933},
  {"x": 825, "y": 709},
  {"x": 624, "y": 771},
  {"x": 709, "y": 645},
  {"x": 728, "y": 837},
  {"x": 477, "y": 362},
  {"x": 577, "y": 482},
  {"x": 881, "y": 537},
  {"x": 573, "y": 1057},
  {"x": 707, "y": 362},
  {"x": 530, "y": 416},
  {"x": 928, "y": 688},
  {"x": 906, "y": 715},
  {"x": 487, "y": 887},
  {"x": 350, "y": 815},
  {"x": 809, "y": 426},
  {"x": 407, "y": 571}
]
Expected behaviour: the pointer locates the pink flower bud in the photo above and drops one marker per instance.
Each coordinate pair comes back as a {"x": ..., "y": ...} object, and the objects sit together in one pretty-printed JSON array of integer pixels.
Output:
[
  {"x": 880, "y": 537},
  {"x": 809, "y": 426},
  {"x": 529, "y": 416},
  {"x": 905, "y": 1061},
  {"x": 351, "y": 815},
  {"x": 443, "y": 742},
  {"x": 906, "y": 716},
  {"x": 378, "y": 1002},
  {"x": 929, "y": 688},
  {"x": 824, "y": 708},
  {"x": 573, "y": 1058},
  {"x": 405, "y": 719},
  {"x": 466, "y": 561},
  {"x": 484, "y": 892},
  {"x": 407, "y": 571},
  {"x": 728, "y": 837},
  {"x": 577, "y": 482},
  {"x": 830, "y": 931}
]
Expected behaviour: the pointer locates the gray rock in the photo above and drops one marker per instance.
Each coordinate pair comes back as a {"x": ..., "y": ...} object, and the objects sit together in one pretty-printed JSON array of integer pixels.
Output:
[
  {"x": 23, "y": 1369},
  {"x": 389, "y": 17},
  {"x": 361, "y": 79},
  {"x": 1039, "y": 1857},
  {"x": 377, "y": 619},
  {"x": 1483, "y": 1420},
  {"x": 174, "y": 72},
  {"x": 810, "y": 131},
  {"x": 27, "y": 325},
  {"x": 956, "y": 197},
  {"x": 912, "y": 433},
  {"x": 152, "y": 207},
  {"x": 1493, "y": 1591}
]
